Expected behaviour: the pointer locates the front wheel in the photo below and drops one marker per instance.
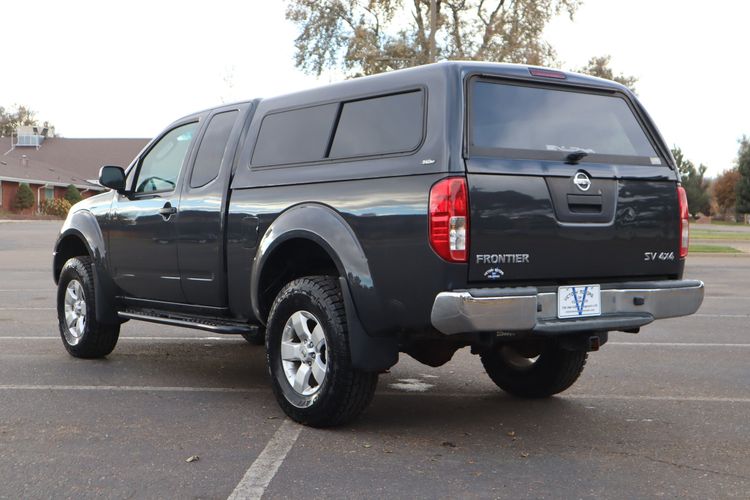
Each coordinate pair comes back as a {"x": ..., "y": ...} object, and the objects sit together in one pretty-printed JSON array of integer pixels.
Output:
[
  {"x": 82, "y": 335},
  {"x": 309, "y": 361},
  {"x": 539, "y": 374}
]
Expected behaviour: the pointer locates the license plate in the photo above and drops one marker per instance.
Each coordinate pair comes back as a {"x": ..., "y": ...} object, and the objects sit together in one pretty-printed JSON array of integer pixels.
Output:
[{"x": 579, "y": 301}]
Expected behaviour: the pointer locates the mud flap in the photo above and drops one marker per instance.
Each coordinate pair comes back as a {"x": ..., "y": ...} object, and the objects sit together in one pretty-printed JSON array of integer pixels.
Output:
[{"x": 369, "y": 354}]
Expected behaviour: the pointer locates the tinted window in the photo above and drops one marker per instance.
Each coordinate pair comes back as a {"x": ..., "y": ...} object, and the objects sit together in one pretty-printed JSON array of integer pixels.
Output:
[
  {"x": 211, "y": 150},
  {"x": 544, "y": 119},
  {"x": 390, "y": 124},
  {"x": 161, "y": 166},
  {"x": 295, "y": 136}
]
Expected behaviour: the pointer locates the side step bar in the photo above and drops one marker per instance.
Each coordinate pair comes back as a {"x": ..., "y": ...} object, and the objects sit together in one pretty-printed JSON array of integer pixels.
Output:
[{"x": 197, "y": 323}]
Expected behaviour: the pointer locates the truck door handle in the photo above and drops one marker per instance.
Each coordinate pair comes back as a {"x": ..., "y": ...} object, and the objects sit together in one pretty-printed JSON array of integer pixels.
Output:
[
  {"x": 585, "y": 203},
  {"x": 167, "y": 210}
]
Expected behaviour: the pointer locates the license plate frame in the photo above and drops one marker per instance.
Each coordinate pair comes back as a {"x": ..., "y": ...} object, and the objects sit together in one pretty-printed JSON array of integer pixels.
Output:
[{"x": 579, "y": 301}]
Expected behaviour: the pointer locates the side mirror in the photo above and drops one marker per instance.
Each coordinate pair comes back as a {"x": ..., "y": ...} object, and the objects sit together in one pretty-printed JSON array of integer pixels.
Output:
[{"x": 112, "y": 177}]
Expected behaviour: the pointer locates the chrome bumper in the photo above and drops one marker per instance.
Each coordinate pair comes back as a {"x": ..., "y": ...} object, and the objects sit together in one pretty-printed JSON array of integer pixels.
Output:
[{"x": 624, "y": 306}]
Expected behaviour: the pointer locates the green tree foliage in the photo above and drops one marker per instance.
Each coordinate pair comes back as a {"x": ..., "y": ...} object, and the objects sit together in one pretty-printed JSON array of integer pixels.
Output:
[
  {"x": 599, "y": 66},
  {"x": 72, "y": 194},
  {"x": 696, "y": 186},
  {"x": 365, "y": 37},
  {"x": 24, "y": 197},
  {"x": 10, "y": 119},
  {"x": 743, "y": 185},
  {"x": 725, "y": 191}
]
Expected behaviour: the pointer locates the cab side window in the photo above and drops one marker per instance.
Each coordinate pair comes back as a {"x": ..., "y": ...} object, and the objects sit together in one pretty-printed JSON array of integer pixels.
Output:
[
  {"x": 160, "y": 168},
  {"x": 211, "y": 150}
]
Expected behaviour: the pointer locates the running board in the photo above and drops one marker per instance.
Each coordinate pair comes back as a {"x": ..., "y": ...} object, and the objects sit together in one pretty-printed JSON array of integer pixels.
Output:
[{"x": 196, "y": 323}]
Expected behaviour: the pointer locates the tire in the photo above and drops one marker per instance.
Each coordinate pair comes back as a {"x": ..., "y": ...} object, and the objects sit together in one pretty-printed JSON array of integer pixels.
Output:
[
  {"x": 82, "y": 335},
  {"x": 330, "y": 392},
  {"x": 553, "y": 371},
  {"x": 258, "y": 337}
]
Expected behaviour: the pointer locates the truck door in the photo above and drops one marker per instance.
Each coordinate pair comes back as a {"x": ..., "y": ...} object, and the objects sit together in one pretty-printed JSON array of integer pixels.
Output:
[
  {"x": 142, "y": 231},
  {"x": 200, "y": 225}
]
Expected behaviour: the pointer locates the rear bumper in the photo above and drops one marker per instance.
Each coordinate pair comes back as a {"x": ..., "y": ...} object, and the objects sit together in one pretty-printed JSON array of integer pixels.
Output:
[{"x": 625, "y": 306}]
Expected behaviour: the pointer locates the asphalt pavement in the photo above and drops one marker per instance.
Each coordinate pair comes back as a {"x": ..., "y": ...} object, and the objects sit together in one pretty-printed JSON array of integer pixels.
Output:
[{"x": 660, "y": 414}]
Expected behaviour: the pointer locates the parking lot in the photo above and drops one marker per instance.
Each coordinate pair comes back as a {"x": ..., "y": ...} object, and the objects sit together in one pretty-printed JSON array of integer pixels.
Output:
[{"x": 661, "y": 414}]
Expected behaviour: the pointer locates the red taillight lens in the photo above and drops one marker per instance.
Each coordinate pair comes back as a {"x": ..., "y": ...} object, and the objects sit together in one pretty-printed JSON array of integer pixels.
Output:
[
  {"x": 684, "y": 222},
  {"x": 449, "y": 219},
  {"x": 547, "y": 73}
]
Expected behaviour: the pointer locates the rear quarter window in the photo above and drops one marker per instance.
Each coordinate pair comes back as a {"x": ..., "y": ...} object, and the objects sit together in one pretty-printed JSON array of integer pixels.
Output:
[
  {"x": 295, "y": 136},
  {"x": 546, "y": 123},
  {"x": 380, "y": 125},
  {"x": 211, "y": 150}
]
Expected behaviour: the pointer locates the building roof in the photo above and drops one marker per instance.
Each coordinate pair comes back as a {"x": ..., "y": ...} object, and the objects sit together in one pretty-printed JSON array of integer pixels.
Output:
[{"x": 62, "y": 161}]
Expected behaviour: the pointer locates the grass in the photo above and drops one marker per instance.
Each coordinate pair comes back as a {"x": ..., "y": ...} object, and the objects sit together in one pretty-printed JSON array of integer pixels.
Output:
[
  {"x": 702, "y": 234},
  {"x": 702, "y": 248},
  {"x": 727, "y": 223}
]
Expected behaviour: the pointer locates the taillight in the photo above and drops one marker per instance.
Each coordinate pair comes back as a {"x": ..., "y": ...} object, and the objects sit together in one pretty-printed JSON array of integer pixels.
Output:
[
  {"x": 684, "y": 222},
  {"x": 547, "y": 73},
  {"x": 449, "y": 219}
]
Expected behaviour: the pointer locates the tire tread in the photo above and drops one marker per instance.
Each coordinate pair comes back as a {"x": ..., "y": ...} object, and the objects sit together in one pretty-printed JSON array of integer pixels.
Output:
[
  {"x": 99, "y": 339},
  {"x": 354, "y": 388}
]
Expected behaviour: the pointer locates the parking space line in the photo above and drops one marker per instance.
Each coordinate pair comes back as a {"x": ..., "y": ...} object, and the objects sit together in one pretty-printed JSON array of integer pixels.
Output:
[
  {"x": 28, "y": 308},
  {"x": 264, "y": 468},
  {"x": 623, "y": 397},
  {"x": 48, "y": 337},
  {"x": 232, "y": 338},
  {"x": 264, "y": 390},
  {"x": 130, "y": 388},
  {"x": 603, "y": 397},
  {"x": 678, "y": 344},
  {"x": 723, "y": 315}
]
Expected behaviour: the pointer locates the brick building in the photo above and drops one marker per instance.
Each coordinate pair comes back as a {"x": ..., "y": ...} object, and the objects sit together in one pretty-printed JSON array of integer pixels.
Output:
[{"x": 50, "y": 164}]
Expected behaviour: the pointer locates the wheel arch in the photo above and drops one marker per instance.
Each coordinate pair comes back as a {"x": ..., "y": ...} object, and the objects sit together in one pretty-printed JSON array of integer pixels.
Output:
[
  {"x": 80, "y": 236},
  {"x": 310, "y": 239},
  {"x": 314, "y": 230}
]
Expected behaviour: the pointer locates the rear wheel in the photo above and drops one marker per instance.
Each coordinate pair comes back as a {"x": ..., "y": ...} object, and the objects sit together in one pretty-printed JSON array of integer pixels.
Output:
[
  {"x": 82, "y": 335},
  {"x": 308, "y": 355},
  {"x": 533, "y": 374}
]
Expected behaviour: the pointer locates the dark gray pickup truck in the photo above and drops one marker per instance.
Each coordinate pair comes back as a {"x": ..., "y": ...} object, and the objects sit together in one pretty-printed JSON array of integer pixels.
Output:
[{"x": 521, "y": 211}]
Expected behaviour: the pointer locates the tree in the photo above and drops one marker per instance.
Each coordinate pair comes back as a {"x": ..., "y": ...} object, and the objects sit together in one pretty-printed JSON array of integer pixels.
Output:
[
  {"x": 365, "y": 37},
  {"x": 22, "y": 116},
  {"x": 72, "y": 194},
  {"x": 24, "y": 197},
  {"x": 743, "y": 166},
  {"x": 725, "y": 191},
  {"x": 599, "y": 66},
  {"x": 696, "y": 187}
]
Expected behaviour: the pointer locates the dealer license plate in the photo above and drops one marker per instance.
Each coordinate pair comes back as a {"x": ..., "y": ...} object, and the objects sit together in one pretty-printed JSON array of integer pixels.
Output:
[{"x": 579, "y": 301}]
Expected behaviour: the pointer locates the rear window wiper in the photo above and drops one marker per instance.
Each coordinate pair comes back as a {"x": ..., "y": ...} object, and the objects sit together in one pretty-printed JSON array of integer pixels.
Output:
[{"x": 576, "y": 156}]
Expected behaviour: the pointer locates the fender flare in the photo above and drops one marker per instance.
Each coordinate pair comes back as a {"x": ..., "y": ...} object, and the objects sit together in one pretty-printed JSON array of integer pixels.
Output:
[
  {"x": 326, "y": 227},
  {"x": 84, "y": 226}
]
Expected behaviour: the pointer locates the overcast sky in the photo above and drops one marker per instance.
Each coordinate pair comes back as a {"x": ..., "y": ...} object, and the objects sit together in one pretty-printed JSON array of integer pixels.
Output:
[{"x": 127, "y": 69}]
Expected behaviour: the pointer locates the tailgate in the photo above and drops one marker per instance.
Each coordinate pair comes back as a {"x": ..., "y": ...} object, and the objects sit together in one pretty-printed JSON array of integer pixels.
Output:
[{"x": 566, "y": 185}]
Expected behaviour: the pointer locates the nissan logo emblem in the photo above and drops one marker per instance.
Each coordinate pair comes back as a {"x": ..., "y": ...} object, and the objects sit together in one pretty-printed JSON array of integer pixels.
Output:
[{"x": 582, "y": 181}]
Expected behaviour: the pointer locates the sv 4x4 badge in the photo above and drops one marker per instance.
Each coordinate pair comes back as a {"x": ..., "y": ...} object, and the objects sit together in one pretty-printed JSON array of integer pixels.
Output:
[{"x": 653, "y": 256}]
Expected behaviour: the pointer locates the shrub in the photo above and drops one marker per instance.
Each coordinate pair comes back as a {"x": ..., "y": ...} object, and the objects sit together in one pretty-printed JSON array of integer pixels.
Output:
[
  {"x": 24, "y": 198},
  {"x": 58, "y": 207},
  {"x": 73, "y": 195}
]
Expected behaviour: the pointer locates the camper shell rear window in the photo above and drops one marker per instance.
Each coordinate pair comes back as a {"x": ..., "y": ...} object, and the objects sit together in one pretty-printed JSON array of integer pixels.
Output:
[{"x": 519, "y": 120}]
